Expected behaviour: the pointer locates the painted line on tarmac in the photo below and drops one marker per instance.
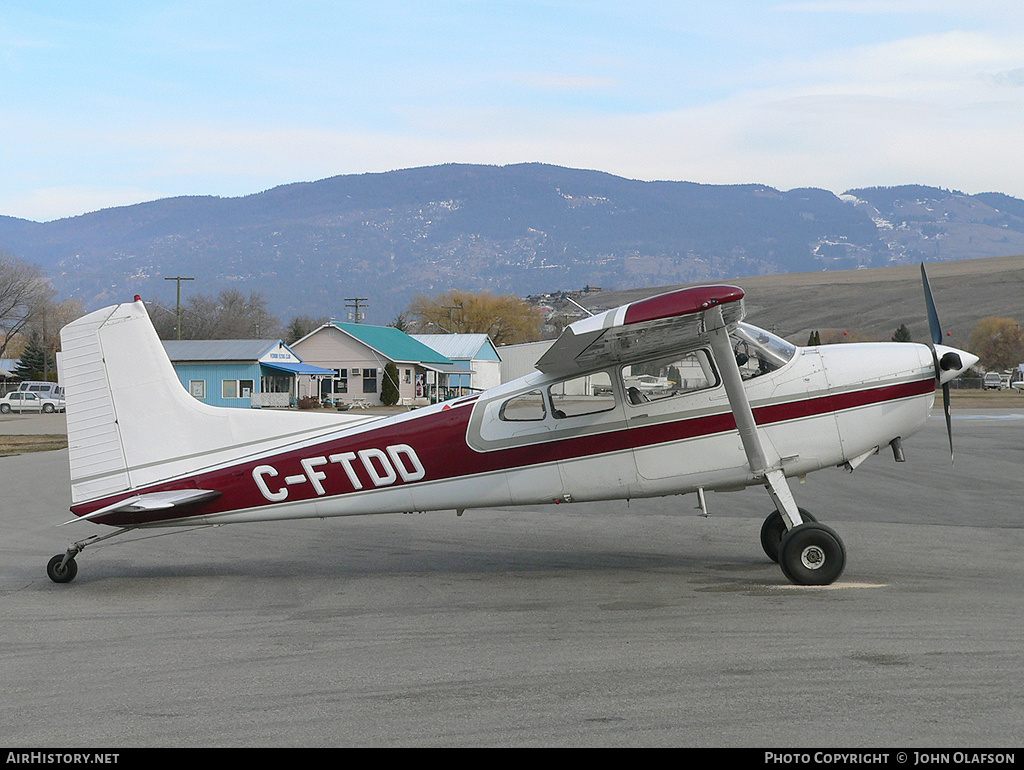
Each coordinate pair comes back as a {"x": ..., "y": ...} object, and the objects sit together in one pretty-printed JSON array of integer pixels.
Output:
[
  {"x": 980, "y": 416},
  {"x": 832, "y": 587}
]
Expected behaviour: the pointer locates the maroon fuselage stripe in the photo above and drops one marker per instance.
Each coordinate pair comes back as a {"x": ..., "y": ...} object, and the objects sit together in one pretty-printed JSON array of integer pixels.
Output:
[{"x": 439, "y": 440}]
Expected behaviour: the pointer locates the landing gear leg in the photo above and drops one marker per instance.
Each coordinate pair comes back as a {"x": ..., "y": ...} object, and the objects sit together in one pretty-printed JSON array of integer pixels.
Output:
[
  {"x": 809, "y": 553},
  {"x": 63, "y": 568}
]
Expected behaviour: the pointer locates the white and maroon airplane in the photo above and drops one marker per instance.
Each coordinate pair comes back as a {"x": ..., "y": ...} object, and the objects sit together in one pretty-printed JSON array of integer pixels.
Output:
[{"x": 732, "y": 406}]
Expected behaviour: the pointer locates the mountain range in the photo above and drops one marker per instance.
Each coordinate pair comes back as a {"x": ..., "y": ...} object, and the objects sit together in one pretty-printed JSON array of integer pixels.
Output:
[{"x": 520, "y": 229}]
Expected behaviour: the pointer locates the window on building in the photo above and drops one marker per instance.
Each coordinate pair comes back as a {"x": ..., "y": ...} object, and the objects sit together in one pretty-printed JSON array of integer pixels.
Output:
[
  {"x": 236, "y": 389},
  {"x": 197, "y": 388},
  {"x": 369, "y": 380}
]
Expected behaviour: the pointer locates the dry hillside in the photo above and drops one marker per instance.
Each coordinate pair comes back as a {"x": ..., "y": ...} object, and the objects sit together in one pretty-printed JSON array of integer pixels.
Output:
[{"x": 870, "y": 304}]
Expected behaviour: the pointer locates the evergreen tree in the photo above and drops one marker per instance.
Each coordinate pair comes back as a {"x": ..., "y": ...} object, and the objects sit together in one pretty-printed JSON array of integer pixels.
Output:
[
  {"x": 389, "y": 385},
  {"x": 33, "y": 362},
  {"x": 902, "y": 334}
]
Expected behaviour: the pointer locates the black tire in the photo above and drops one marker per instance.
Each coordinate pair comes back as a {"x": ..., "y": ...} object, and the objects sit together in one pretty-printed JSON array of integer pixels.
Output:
[
  {"x": 812, "y": 555},
  {"x": 48, "y": 408},
  {"x": 59, "y": 574},
  {"x": 774, "y": 529},
  {"x": 5, "y": 408}
]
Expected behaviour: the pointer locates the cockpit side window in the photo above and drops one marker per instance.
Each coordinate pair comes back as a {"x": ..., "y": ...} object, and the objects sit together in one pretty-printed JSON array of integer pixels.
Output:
[
  {"x": 669, "y": 376},
  {"x": 589, "y": 394},
  {"x": 759, "y": 352}
]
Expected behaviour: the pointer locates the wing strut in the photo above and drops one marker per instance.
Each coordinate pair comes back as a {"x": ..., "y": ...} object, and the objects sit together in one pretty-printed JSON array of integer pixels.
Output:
[{"x": 767, "y": 468}]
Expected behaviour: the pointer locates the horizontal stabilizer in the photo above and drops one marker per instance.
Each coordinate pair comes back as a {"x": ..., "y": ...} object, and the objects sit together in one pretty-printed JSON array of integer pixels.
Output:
[{"x": 154, "y": 501}]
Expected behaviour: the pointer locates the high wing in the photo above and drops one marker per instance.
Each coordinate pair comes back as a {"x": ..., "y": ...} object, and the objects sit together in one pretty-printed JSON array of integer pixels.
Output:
[
  {"x": 663, "y": 325},
  {"x": 669, "y": 323}
]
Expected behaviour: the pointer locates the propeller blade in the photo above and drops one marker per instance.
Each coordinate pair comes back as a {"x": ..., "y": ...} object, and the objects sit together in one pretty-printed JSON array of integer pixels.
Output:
[
  {"x": 933, "y": 317},
  {"x": 949, "y": 420},
  {"x": 936, "y": 331}
]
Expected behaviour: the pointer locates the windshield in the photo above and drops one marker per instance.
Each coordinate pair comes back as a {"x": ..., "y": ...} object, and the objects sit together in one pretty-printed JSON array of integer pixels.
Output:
[{"x": 758, "y": 351}]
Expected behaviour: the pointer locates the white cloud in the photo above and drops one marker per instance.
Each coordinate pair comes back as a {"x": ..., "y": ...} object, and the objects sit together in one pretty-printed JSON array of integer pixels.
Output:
[{"x": 785, "y": 101}]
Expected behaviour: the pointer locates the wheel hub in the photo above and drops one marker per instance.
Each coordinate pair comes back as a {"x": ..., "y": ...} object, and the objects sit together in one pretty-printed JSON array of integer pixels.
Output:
[{"x": 812, "y": 557}]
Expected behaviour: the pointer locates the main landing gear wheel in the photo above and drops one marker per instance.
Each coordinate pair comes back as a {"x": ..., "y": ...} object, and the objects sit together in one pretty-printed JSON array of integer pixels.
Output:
[
  {"x": 812, "y": 555},
  {"x": 774, "y": 529},
  {"x": 60, "y": 571}
]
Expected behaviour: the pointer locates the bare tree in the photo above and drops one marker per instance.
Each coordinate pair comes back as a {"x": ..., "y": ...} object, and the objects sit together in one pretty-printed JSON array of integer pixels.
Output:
[
  {"x": 52, "y": 317},
  {"x": 24, "y": 294},
  {"x": 229, "y": 315},
  {"x": 998, "y": 342}
]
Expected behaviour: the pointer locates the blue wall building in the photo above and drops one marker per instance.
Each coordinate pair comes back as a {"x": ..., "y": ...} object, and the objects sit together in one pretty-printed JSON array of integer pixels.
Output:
[{"x": 241, "y": 373}]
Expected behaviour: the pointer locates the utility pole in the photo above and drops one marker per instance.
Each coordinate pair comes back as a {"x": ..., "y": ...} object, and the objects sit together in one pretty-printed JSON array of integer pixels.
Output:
[
  {"x": 179, "y": 279},
  {"x": 356, "y": 315},
  {"x": 451, "y": 316}
]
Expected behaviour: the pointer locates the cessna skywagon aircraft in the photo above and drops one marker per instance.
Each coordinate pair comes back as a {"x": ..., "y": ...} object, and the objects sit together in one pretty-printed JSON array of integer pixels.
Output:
[{"x": 735, "y": 406}]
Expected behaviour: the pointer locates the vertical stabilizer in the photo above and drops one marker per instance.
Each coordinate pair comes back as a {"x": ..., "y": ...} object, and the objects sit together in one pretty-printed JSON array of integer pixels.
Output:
[{"x": 131, "y": 423}]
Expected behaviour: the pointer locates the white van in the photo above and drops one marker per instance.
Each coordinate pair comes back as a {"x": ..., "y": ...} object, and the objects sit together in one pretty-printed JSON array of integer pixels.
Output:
[{"x": 44, "y": 389}]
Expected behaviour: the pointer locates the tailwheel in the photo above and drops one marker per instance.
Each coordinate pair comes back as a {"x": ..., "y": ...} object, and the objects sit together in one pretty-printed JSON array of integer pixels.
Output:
[
  {"x": 774, "y": 529},
  {"x": 62, "y": 568},
  {"x": 812, "y": 555}
]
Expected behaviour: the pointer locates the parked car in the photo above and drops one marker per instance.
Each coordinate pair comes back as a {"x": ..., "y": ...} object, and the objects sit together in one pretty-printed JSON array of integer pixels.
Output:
[
  {"x": 992, "y": 381},
  {"x": 26, "y": 401}
]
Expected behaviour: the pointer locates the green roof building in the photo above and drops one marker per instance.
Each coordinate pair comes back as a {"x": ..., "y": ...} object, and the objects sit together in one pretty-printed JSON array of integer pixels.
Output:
[{"x": 358, "y": 354}]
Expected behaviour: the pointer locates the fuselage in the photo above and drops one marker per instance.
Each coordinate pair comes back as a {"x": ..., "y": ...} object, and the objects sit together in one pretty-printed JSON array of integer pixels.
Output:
[{"x": 820, "y": 408}]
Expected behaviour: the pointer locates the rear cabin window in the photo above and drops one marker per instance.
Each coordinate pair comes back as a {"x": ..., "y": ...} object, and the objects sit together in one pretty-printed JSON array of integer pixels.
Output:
[{"x": 525, "y": 408}]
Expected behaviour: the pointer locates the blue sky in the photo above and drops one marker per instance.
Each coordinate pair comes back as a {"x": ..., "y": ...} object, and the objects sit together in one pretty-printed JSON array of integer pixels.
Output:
[{"x": 111, "y": 103}]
